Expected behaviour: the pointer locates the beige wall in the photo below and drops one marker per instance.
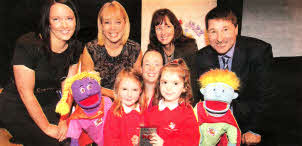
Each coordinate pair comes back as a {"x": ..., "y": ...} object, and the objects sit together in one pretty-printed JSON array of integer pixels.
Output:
[
  {"x": 190, "y": 12},
  {"x": 277, "y": 22}
]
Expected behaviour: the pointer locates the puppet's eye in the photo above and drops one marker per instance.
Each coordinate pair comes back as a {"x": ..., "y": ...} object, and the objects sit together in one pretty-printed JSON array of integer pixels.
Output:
[
  {"x": 89, "y": 87},
  {"x": 82, "y": 90},
  {"x": 214, "y": 89},
  {"x": 222, "y": 91}
]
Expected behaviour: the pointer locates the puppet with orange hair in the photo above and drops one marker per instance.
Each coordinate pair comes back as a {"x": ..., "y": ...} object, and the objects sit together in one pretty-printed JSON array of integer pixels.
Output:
[{"x": 217, "y": 124}]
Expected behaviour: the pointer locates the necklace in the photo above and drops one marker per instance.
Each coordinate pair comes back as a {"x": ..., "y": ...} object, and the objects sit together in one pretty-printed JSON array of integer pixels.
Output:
[{"x": 169, "y": 56}]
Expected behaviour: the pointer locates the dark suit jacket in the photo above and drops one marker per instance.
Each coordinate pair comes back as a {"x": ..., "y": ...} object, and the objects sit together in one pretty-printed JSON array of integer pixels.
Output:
[{"x": 252, "y": 64}]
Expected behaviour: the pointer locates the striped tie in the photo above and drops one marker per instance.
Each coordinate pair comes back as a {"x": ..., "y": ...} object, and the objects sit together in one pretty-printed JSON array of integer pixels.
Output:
[{"x": 225, "y": 61}]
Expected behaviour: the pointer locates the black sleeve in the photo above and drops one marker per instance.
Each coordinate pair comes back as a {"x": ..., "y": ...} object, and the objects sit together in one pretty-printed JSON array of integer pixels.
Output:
[
  {"x": 200, "y": 62},
  {"x": 260, "y": 90},
  {"x": 135, "y": 49},
  {"x": 264, "y": 85},
  {"x": 25, "y": 51}
]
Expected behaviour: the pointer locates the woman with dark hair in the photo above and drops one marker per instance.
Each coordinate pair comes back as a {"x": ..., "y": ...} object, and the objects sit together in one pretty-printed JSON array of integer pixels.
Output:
[
  {"x": 166, "y": 34},
  {"x": 41, "y": 62}
]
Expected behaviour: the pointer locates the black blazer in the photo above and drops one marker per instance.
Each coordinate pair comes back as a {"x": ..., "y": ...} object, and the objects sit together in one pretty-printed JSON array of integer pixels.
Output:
[{"x": 252, "y": 61}]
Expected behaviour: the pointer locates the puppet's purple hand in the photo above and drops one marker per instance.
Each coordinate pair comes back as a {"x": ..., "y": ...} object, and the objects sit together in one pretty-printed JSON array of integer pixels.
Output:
[{"x": 74, "y": 142}]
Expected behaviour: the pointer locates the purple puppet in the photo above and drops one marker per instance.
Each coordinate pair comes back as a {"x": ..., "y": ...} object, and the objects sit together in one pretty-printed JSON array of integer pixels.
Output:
[{"x": 91, "y": 109}]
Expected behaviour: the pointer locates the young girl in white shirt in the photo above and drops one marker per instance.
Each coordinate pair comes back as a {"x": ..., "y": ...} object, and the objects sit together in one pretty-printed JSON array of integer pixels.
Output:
[{"x": 125, "y": 116}]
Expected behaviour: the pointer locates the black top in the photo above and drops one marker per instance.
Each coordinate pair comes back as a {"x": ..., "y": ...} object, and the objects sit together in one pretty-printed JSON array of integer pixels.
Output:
[
  {"x": 50, "y": 68},
  {"x": 109, "y": 66}
]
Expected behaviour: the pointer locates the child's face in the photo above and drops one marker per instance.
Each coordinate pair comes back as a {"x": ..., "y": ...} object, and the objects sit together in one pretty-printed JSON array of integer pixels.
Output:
[
  {"x": 171, "y": 86},
  {"x": 129, "y": 92},
  {"x": 152, "y": 64}
]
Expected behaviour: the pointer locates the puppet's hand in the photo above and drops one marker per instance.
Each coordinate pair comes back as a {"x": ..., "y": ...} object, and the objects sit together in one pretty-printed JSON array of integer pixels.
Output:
[
  {"x": 156, "y": 140},
  {"x": 250, "y": 138},
  {"x": 52, "y": 131},
  {"x": 74, "y": 142},
  {"x": 231, "y": 144},
  {"x": 63, "y": 127},
  {"x": 134, "y": 140}
]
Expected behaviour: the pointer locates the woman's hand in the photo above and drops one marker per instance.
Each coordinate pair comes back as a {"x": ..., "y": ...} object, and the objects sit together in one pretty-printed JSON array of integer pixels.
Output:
[
  {"x": 63, "y": 127},
  {"x": 156, "y": 140},
  {"x": 52, "y": 131},
  {"x": 25, "y": 82}
]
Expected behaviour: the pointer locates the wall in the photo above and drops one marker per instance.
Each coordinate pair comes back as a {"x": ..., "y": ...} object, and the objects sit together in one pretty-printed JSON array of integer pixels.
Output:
[{"x": 275, "y": 21}]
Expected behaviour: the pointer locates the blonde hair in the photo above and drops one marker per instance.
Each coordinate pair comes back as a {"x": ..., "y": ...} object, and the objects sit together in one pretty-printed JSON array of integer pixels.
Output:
[
  {"x": 116, "y": 5},
  {"x": 178, "y": 66},
  {"x": 221, "y": 76},
  {"x": 62, "y": 107},
  {"x": 127, "y": 73}
]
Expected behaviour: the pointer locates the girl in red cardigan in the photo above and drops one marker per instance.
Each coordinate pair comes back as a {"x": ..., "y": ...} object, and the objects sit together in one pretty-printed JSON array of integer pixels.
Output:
[
  {"x": 125, "y": 116},
  {"x": 173, "y": 116}
]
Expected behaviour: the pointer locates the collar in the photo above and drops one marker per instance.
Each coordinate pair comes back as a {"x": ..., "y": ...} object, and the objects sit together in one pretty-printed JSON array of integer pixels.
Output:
[
  {"x": 162, "y": 105},
  {"x": 127, "y": 109}
]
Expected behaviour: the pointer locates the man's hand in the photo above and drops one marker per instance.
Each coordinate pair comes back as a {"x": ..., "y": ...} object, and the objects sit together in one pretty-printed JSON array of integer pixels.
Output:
[{"x": 250, "y": 138}]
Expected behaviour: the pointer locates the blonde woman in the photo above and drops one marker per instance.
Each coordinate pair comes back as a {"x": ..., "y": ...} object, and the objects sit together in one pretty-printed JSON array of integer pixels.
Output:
[{"x": 111, "y": 51}]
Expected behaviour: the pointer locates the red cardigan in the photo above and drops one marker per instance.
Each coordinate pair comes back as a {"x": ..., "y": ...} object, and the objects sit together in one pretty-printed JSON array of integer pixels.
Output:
[
  {"x": 118, "y": 131},
  {"x": 177, "y": 127}
]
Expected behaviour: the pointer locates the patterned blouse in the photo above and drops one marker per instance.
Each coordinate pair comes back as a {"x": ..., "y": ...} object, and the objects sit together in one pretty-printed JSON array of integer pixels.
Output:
[{"x": 109, "y": 66}]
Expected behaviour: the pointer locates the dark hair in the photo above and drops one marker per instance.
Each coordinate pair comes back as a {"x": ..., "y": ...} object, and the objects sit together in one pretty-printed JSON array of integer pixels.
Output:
[
  {"x": 157, "y": 19},
  {"x": 44, "y": 34},
  {"x": 221, "y": 13},
  {"x": 44, "y": 29}
]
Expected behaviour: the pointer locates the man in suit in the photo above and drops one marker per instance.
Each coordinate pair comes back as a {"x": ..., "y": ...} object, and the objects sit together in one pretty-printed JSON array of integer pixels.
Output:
[{"x": 248, "y": 57}]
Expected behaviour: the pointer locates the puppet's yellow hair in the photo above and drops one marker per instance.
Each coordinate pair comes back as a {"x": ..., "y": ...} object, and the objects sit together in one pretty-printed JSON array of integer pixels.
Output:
[
  {"x": 221, "y": 76},
  {"x": 62, "y": 107}
]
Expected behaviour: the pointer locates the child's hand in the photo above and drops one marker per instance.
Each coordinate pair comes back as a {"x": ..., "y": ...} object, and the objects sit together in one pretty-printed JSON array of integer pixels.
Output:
[
  {"x": 134, "y": 140},
  {"x": 156, "y": 140},
  {"x": 250, "y": 138}
]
